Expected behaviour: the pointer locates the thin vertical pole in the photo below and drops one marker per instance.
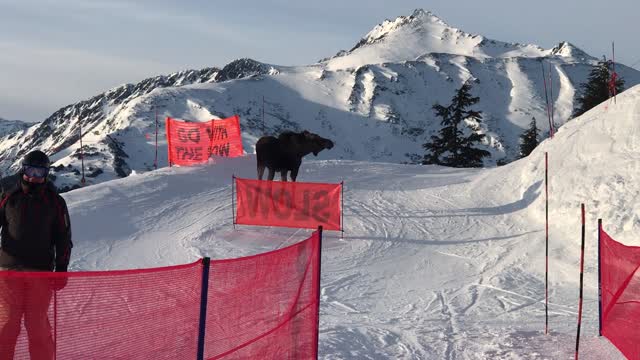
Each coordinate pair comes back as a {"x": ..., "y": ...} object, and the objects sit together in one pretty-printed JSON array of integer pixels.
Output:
[
  {"x": 599, "y": 279},
  {"x": 168, "y": 130},
  {"x": 81, "y": 152},
  {"x": 206, "y": 262},
  {"x": 546, "y": 228},
  {"x": 233, "y": 200},
  {"x": 55, "y": 324},
  {"x": 613, "y": 50},
  {"x": 546, "y": 99},
  {"x": 342, "y": 207},
  {"x": 552, "y": 123},
  {"x": 318, "y": 277},
  {"x": 581, "y": 277},
  {"x": 155, "y": 161}
]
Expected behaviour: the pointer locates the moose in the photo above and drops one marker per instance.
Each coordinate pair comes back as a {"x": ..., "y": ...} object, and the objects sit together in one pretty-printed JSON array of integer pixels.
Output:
[{"x": 285, "y": 152}]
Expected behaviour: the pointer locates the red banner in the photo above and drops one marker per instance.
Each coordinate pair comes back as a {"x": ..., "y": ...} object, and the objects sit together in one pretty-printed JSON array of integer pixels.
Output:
[
  {"x": 289, "y": 204},
  {"x": 620, "y": 289},
  {"x": 191, "y": 143}
]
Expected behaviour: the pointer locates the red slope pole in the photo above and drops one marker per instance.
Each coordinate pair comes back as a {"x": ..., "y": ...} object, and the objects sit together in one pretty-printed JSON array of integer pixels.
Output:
[
  {"x": 155, "y": 161},
  {"x": 546, "y": 228},
  {"x": 581, "y": 277},
  {"x": 546, "y": 98},
  {"x": 81, "y": 153},
  {"x": 599, "y": 280},
  {"x": 552, "y": 122},
  {"x": 613, "y": 50}
]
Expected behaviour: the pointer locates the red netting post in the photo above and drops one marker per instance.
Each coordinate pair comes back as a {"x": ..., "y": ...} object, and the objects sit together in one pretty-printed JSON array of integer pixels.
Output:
[
  {"x": 168, "y": 130},
  {"x": 599, "y": 280},
  {"x": 233, "y": 200},
  {"x": 206, "y": 262},
  {"x": 546, "y": 228},
  {"x": 55, "y": 325},
  {"x": 342, "y": 207},
  {"x": 155, "y": 161},
  {"x": 81, "y": 152},
  {"x": 319, "y": 288},
  {"x": 581, "y": 277}
]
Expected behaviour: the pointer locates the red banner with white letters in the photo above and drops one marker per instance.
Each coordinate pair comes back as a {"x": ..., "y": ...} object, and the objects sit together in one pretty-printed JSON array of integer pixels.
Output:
[
  {"x": 191, "y": 143},
  {"x": 288, "y": 204}
]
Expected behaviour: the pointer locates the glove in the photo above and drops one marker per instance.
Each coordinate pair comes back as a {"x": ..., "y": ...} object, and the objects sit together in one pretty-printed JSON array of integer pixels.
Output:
[{"x": 58, "y": 283}]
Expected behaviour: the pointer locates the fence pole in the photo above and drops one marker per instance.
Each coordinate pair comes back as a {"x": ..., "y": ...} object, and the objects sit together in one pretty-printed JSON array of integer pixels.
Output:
[
  {"x": 319, "y": 288},
  {"x": 546, "y": 229},
  {"x": 155, "y": 161},
  {"x": 342, "y": 207},
  {"x": 599, "y": 280},
  {"x": 55, "y": 324},
  {"x": 233, "y": 201},
  {"x": 581, "y": 277},
  {"x": 81, "y": 152},
  {"x": 206, "y": 262},
  {"x": 168, "y": 130}
]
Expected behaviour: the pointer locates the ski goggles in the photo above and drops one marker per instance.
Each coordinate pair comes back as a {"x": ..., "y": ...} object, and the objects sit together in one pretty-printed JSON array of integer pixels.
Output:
[{"x": 34, "y": 173}]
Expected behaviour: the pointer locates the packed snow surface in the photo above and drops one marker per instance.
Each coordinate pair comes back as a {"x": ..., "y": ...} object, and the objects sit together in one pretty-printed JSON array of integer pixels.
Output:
[{"x": 435, "y": 262}]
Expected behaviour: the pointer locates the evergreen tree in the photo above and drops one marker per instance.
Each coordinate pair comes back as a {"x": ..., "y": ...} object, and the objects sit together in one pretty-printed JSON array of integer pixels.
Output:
[
  {"x": 529, "y": 139},
  {"x": 452, "y": 147},
  {"x": 596, "y": 89}
]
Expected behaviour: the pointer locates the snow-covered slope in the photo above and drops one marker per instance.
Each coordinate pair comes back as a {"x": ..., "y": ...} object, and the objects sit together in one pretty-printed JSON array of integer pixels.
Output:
[
  {"x": 436, "y": 263},
  {"x": 374, "y": 101}
]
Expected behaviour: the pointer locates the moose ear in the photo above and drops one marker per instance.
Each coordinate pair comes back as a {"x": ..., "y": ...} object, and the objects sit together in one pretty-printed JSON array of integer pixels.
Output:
[{"x": 306, "y": 133}]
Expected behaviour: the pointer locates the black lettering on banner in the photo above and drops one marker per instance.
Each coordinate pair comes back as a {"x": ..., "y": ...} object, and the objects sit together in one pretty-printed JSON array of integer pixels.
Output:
[
  {"x": 182, "y": 136},
  {"x": 189, "y": 153},
  {"x": 217, "y": 133},
  {"x": 192, "y": 135},
  {"x": 256, "y": 198},
  {"x": 220, "y": 150},
  {"x": 282, "y": 202},
  {"x": 321, "y": 202},
  {"x": 303, "y": 214}
]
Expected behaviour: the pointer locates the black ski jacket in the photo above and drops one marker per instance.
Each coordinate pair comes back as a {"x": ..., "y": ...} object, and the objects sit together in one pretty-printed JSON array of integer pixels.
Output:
[{"x": 36, "y": 231}]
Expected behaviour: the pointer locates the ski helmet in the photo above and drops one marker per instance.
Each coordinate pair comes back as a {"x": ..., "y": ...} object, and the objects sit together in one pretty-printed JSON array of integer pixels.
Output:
[{"x": 36, "y": 158}]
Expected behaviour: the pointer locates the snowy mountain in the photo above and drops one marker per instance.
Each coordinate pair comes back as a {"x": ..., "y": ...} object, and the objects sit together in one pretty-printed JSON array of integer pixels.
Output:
[
  {"x": 436, "y": 263},
  {"x": 10, "y": 127},
  {"x": 374, "y": 101}
]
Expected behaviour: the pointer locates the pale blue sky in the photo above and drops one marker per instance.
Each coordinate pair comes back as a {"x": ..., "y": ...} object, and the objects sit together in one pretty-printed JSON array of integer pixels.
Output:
[{"x": 57, "y": 52}]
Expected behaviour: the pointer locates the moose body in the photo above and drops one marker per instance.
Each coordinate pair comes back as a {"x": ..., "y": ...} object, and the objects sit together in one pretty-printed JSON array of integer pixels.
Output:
[{"x": 284, "y": 154}]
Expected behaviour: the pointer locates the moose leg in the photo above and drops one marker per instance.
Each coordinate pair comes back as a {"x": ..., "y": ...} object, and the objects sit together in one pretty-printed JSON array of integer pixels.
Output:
[
  {"x": 294, "y": 173},
  {"x": 260, "y": 171},
  {"x": 272, "y": 173},
  {"x": 283, "y": 175}
]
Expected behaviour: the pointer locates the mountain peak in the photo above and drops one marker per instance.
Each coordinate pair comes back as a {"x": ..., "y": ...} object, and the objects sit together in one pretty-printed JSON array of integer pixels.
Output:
[
  {"x": 567, "y": 49},
  {"x": 419, "y": 19}
]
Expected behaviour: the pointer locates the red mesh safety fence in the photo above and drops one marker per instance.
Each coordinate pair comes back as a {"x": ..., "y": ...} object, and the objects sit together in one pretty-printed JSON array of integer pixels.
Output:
[
  {"x": 288, "y": 204},
  {"x": 265, "y": 306},
  {"x": 131, "y": 314},
  {"x": 192, "y": 143},
  {"x": 620, "y": 289}
]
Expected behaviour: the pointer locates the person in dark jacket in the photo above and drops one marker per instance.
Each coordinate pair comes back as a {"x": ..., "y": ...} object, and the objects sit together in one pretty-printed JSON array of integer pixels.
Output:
[{"x": 36, "y": 236}]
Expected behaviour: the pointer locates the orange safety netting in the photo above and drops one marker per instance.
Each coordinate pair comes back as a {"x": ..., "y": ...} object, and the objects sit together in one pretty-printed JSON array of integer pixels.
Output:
[
  {"x": 620, "y": 290},
  {"x": 192, "y": 143},
  {"x": 266, "y": 306},
  {"x": 263, "y": 306},
  {"x": 289, "y": 204}
]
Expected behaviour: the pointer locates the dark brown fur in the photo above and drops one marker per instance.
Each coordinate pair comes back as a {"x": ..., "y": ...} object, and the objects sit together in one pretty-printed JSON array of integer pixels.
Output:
[{"x": 285, "y": 153}]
